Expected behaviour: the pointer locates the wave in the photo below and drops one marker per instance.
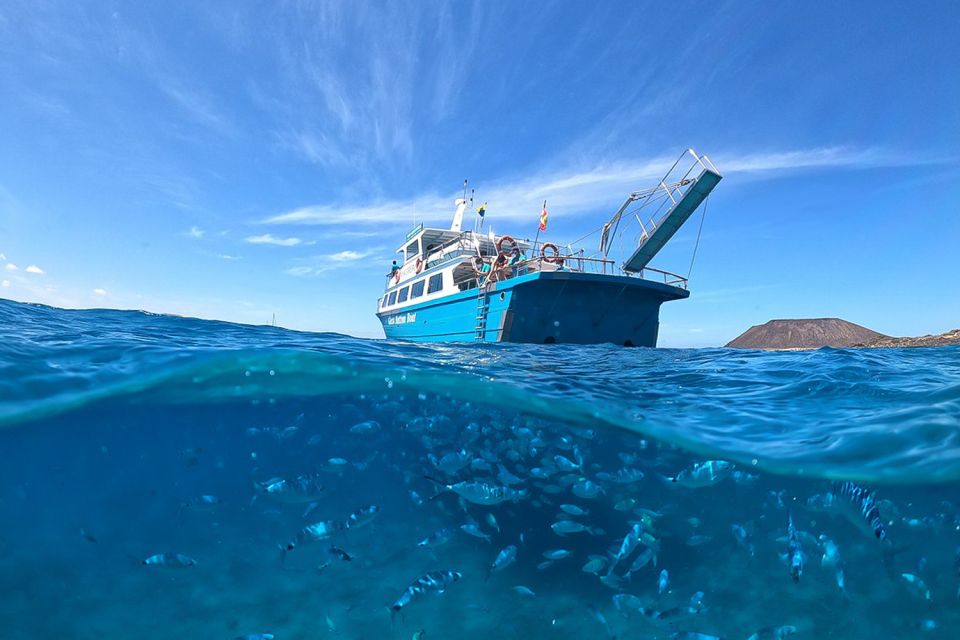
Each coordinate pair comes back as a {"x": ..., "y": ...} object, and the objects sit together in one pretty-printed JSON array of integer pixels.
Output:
[{"x": 881, "y": 415}]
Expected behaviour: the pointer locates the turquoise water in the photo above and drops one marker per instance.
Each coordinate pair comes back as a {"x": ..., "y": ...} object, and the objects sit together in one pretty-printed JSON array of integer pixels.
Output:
[{"x": 113, "y": 425}]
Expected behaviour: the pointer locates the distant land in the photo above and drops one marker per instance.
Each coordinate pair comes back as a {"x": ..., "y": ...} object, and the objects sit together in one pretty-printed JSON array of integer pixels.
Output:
[{"x": 813, "y": 333}]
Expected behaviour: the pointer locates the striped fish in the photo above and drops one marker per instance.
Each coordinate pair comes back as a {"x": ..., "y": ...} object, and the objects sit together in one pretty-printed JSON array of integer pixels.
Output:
[
  {"x": 863, "y": 501},
  {"x": 432, "y": 582}
]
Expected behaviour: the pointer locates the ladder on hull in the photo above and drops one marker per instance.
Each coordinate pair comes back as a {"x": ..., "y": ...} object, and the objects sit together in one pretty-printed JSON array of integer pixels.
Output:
[{"x": 480, "y": 334}]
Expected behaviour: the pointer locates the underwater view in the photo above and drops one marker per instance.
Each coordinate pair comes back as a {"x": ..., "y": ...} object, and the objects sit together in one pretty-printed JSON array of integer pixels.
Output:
[{"x": 165, "y": 477}]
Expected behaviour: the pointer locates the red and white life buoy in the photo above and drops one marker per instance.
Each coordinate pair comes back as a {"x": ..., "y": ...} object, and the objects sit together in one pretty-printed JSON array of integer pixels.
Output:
[
  {"x": 396, "y": 278},
  {"x": 419, "y": 265},
  {"x": 513, "y": 243},
  {"x": 554, "y": 256}
]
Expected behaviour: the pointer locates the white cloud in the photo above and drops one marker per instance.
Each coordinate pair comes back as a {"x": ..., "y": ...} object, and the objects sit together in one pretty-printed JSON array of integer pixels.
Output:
[
  {"x": 194, "y": 232},
  {"x": 12, "y": 267},
  {"x": 100, "y": 292},
  {"x": 5, "y": 283},
  {"x": 224, "y": 256},
  {"x": 2, "y": 257},
  {"x": 35, "y": 269},
  {"x": 269, "y": 239},
  {"x": 574, "y": 191},
  {"x": 347, "y": 256},
  {"x": 322, "y": 264}
]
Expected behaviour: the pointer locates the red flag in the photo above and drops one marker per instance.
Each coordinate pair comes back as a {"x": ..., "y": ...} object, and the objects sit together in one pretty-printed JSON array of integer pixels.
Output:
[{"x": 543, "y": 217}]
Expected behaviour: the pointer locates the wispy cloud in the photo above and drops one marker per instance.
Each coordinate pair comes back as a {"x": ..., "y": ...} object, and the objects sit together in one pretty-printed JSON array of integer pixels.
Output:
[
  {"x": 12, "y": 267},
  {"x": 570, "y": 192},
  {"x": 267, "y": 238},
  {"x": 195, "y": 233},
  {"x": 35, "y": 270},
  {"x": 5, "y": 283},
  {"x": 319, "y": 265},
  {"x": 2, "y": 257},
  {"x": 100, "y": 292},
  {"x": 225, "y": 256}
]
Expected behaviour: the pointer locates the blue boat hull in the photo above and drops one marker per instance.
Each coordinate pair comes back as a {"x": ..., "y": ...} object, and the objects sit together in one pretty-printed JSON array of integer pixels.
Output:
[{"x": 543, "y": 307}]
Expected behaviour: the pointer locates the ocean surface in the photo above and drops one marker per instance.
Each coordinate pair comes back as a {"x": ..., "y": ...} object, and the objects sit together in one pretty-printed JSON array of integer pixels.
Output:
[{"x": 165, "y": 477}]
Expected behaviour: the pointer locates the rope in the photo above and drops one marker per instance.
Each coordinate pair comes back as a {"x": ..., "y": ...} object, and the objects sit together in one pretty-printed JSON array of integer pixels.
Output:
[{"x": 696, "y": 246}]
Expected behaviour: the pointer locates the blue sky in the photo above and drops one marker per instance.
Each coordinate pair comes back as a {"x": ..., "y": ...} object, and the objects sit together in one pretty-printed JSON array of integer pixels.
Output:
[{"x": 235, "y": 160}]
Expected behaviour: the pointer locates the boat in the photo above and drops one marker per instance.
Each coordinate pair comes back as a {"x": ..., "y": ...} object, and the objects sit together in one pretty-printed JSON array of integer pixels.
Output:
[{"x": 456, "y": 285}]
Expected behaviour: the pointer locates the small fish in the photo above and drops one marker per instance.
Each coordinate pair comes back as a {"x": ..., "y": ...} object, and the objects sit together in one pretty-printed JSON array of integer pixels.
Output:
[
  {"x": 595, "y": 565},
  {"x": 481, "y": 492},
  {"x": 504, "y": 559},
  {"x": 437, "y": 538},
  {"x": 556, "y": 554},
  {"x": 574, "y": 510},
  {"x": 566, "y": 527},
  {"x": 697, "y": 540},
  {"x": 831, "y": 553},
  {"x": 314, "y": 532},
  {"x": 916, "y": 585},
  {"x": 89, "y": 537},
  {"x": 362, "y": 516},
  {"x": 546, "y": 564},
  {"x": 854, "y": 502},
  {"x": 524, "y": 591},
  {"x": 774, "y": 633},
  {"x": 367, "y": 427},
  {"x": 256, "y": 636},
  {"x": 643, "y": 559},
  {"x": 300, "y": 490},
  {"x": 795, "y": 555},
  {"x": 415, "y": 497},
  {"x": 624, "y": 602},
  {"x": 696, "y": 602},
  {"x": 693, "y": 635},
  {"x": 565, "y": 464},
  {"x": 663, "y": 581},
  {"x": 586, "y": 489},
  {"x": 703, "y": 474},
  {"x": 337, "y": 552},
  {"x": 492, "y": 521},
  {"x": 202, "y": 503},
  {"x": 742, "y": 536},
  {"x": 432, "y": 582},
  {"x": 627, "y": 476},
  {"x": 475, "y": 531},
  {"x": 169, "y": 561}
]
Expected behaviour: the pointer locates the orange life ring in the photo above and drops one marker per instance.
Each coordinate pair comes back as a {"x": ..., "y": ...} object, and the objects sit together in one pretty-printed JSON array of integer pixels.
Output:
[
  {"x": 419, "y": 265},
  {"x": 506, "y": 239},
  {"x": 553, "y": 258},
  {"x": 396, "y": 278}
]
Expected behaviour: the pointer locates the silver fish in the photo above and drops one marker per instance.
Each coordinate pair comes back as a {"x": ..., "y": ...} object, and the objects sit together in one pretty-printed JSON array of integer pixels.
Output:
[
  {"x": 436, "y": 538},
  {"x": 504, "y": 559},
  {"x": 169, "y": 561},
  {"x": 432, "y": 582}
]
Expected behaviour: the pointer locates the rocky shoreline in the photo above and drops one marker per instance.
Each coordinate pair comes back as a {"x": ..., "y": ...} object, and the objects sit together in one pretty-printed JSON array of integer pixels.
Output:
[{"x": 937, "y": 340}]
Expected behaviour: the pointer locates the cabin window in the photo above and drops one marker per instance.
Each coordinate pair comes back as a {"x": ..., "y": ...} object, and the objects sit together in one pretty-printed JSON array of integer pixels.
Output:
[
  {"x": 412, "y": 250},
  {"x": 403, "y": 294},
  {"x": 393, "y": 298},
  {"x": 416, "y": 289},
  {"x": 435, "y": 283}
]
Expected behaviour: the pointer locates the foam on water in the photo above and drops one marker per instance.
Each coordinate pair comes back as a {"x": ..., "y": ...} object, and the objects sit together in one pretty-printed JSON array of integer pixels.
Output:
[{"x": 116, "y": 422}]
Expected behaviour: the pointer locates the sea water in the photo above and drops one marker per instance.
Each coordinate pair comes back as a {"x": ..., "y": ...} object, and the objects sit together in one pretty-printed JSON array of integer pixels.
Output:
[{"x": 126, "y": 435}]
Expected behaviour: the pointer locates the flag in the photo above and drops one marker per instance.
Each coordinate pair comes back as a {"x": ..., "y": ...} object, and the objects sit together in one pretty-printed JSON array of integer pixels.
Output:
[
  {"x": 482, "y": 209},
  {"x": 543, "y": 217}
]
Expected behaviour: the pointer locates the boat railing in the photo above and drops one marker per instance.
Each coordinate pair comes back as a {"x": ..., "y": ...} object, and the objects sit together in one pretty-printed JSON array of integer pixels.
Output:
[{"x": 579, "y": 264}]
